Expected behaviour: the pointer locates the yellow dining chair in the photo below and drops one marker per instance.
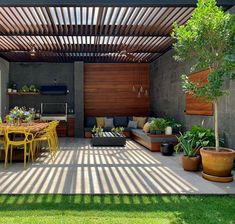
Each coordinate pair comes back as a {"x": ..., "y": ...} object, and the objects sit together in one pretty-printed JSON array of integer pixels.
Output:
[
  {"x": 25, "y": 139},
  {"x": 48, "y": 135}
]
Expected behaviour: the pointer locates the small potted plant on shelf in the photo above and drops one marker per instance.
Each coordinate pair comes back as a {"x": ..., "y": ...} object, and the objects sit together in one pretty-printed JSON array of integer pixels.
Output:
[
  {"x": 97, "y": 131},
  {"x": 207, "y": 40},
  {"x": 157, "y": 126},
  {"x": 33, "y": 88},
  {"x": 190, "y": 159},
  {"x": 10, "y": 86},
  {"x": 24, "y": 89}
]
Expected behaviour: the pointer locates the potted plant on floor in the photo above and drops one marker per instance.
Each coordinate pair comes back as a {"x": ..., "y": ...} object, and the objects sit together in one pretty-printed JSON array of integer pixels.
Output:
[
  {"x": 207, "y": 40},
  {"x": 203, "y": 137},
  {"x": 190, "y": 159}
]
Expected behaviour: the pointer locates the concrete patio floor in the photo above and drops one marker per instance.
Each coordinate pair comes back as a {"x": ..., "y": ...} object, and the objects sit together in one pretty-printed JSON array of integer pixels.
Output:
[{"x": 82, "y": 169}]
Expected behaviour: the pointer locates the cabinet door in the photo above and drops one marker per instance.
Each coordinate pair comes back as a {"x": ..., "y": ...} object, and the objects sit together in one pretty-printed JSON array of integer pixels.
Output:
[{"x": 71, "y": 127}]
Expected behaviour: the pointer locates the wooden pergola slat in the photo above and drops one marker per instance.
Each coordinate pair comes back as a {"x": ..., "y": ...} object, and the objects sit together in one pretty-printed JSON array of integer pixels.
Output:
[{"x": 127, "y": 32}]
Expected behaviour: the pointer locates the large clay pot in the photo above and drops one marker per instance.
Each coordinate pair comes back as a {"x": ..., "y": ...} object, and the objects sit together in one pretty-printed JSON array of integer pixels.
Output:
[
  {"x": 217, "y": 164},
  {"x": 190, "y": 163}
]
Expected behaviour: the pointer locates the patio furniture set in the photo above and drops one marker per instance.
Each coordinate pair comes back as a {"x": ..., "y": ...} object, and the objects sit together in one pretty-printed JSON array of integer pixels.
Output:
[
  {"x": 29, "y": 137},
  {"x": 133, "y": 128}
]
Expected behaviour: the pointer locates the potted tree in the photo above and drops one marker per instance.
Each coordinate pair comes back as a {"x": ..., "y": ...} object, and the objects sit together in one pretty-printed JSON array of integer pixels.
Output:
[
  {"x": 190, "y": 159},
  {"x": 207, "y": 40}
]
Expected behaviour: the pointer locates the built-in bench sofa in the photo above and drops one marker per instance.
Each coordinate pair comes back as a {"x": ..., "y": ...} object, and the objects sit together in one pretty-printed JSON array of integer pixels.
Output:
[{"x": 151, "y": 142}]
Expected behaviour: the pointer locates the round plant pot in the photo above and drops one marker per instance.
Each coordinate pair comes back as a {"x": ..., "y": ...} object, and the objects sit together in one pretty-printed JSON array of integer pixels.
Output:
[
  {"x": 190, "y": 163},
  {"x": 9, "y": 90},
  {"x": 167, "y": 149},
  {"x": 217, "y": 165},
  {"x": 168, "y": 130},
  {"x": 158, "y": 132}
]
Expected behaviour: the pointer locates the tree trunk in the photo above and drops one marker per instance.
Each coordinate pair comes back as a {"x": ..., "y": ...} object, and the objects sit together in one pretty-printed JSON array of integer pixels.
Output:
[{"x": 216, "y": 125}]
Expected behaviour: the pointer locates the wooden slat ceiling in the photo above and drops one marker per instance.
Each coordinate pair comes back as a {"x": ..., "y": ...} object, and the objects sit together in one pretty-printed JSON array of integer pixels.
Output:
[{"x": 89, "y": 34}]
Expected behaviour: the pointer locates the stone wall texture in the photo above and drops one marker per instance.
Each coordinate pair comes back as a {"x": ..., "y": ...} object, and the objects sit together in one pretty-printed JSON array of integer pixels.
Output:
[
  {"x": 4, "y": 99},
  {"x": 167, "y": 98}
]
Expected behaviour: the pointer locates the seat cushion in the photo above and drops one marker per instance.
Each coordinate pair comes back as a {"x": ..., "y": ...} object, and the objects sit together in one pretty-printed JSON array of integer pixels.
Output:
[
  {"x": 108, "y": 122},
  {"x": 87, "y": 129},
  {"x": 146, "y": 127},
  {"x": 140, "y": 121},
  {"x": 100, "y": 121},
  {"x": 140, "y": 133},
  {"x": 132, "y": 124},
  {"x": 90, "y": 122},
  {"x": 120, "y": 121}
]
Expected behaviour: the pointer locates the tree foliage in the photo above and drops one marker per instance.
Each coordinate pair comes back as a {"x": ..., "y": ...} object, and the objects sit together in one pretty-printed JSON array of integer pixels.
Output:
[{"x": 208, "y": 40}]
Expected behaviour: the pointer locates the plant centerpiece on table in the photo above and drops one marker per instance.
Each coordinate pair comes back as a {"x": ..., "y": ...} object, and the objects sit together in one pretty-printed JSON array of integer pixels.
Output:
[
  {"x": 118, "y": 130},
  {"x": 207, "y": 39},
  {"x": 190, "y": 159},
  {"x": 97, "y": 131},
  {"x": 157, "y": 125},
  {"x": 18, "y": 115}
]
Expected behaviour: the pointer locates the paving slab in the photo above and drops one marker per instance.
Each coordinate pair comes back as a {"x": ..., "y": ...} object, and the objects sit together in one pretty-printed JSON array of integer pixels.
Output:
[{"x": 80, "y": 168}]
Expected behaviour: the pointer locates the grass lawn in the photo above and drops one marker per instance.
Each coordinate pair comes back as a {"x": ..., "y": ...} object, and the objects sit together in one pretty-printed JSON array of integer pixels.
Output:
[{"x": 117, "y": 209}]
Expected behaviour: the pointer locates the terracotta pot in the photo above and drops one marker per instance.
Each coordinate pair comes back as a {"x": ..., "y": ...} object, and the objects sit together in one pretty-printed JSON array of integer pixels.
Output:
[
  {"x": 217, "y": 163},
  {"x": 190, "y": 163}
]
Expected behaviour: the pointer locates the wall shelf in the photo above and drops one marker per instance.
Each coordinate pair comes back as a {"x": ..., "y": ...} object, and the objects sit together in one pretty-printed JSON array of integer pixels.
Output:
[{"x": 23, "y": 94}]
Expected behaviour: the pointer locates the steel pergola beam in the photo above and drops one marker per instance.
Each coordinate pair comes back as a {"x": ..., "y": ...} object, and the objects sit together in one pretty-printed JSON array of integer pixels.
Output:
[{"x": 109, "y": 3}]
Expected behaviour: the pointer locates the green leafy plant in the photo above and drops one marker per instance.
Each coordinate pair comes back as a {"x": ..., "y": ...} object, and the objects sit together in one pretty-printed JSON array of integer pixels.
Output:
[
  {"x": 208, "y": 40},
  {"x": 98, "y": 131},
  {"x": 118, "y": 130},
  {"x": 11, "y": 85},
  {"x": 201, "y": 136},
  {"x": 24, "y": 88},
  {"x": 187, "y": 146},
  {"x": 31, "y": 88},
  {"x": 172, "y": 122},
  {"x": 158, "y": 124}
]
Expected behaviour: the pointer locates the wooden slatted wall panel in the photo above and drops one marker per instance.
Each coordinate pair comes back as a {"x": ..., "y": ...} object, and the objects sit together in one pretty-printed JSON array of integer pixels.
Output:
[
  {"x": 108, "y": 89},
  {"x": 195, "y": 106}
]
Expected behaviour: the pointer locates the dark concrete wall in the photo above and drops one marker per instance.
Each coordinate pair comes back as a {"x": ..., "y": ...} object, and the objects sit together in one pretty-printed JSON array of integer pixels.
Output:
[
  {"x": 42, "y": 74},
  {"x": 167, "y": 97},
  {"x": 4, "y": 102},
  {"x": 79, "y": 98}
]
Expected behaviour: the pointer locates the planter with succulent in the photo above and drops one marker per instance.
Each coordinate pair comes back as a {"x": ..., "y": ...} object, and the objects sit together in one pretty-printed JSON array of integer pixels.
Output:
[
  {"x": 97, "y": 131},
  {"x": 207, "y": 40},
  {"x": 190, "y": 159},
  {"x": 157, "y": 125},
  {"x": 118, "y": 130}
]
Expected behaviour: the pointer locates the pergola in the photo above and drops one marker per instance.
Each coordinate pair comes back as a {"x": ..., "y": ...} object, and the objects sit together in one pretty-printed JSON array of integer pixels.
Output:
[{"x": 90, "y": 31}]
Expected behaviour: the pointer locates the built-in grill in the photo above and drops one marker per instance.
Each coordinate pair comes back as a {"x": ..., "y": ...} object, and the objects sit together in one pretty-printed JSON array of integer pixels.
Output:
[{"x": 53, "y": 111}]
